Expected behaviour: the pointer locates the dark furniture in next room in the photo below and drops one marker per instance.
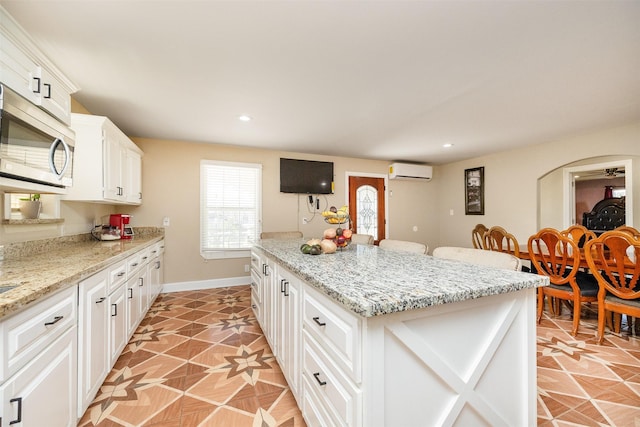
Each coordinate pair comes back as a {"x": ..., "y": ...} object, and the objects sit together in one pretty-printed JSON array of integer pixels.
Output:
[{"x": 606, "y": 215}]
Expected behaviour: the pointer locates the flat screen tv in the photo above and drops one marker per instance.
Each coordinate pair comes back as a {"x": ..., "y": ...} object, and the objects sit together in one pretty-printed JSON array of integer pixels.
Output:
[{"x": 306, "y": 176}]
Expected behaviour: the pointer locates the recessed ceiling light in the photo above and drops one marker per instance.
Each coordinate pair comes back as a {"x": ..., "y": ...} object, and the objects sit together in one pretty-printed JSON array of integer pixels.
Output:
[
  {"x": 244, "y": 118},
  {"x": 447, "y": 145}
]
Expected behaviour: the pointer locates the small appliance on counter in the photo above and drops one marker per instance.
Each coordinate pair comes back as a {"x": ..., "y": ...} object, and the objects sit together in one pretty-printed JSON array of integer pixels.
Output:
[
  {"x": 105, "y": 232},
  {"x": 123, "y": 223}
]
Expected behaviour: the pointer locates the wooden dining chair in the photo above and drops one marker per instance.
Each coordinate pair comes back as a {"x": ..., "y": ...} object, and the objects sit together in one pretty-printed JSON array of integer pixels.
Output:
[
  {"x": 477, "y": 236},
  {"x": 629, "y": 230},
  {"x": 498, "y": 239},
  {"x": 558, "y": 257},
  {"x": 579, "y": 234},
  {"x": 614, "y": 259}
]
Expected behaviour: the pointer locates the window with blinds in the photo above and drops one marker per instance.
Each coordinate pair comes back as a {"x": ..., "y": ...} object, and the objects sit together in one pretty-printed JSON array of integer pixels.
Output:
[{"x": 230, "y": 208}]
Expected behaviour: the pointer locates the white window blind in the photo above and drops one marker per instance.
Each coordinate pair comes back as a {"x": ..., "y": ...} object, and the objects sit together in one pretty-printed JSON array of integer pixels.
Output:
[{"x": 230, "y": 208}]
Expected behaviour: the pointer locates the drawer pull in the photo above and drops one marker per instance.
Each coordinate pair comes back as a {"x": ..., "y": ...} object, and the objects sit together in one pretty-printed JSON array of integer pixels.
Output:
[
  {"x": 122, "y": 273},
  {"x": 254, "y": 306},
  {"x": 101, "y": 300},
  {"x": 55, "y": 320},
  {"x": 317, "y": 320},
  {"x": 253, "y": 284},
  {"x": 19, "y": 419},
  {"x": 135, "y": 264},
  {"x": 316, "y": 376}
]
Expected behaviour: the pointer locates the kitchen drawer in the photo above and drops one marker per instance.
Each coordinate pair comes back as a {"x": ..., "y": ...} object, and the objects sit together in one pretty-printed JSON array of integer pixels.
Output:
[
  {"x": 256, "y": 289},
  {"x": 156, "y": 250},
  {"x": 29, "y": 332},
  {"x": 255, "y": 262},
  {"x": 134, "y": 263},
  {"x": 313, "y": 408},
  {"x": 335, "y": 392},
  {"x": 336, "y": 330},
  {"x": 117, "y": 274},
  {"x": 145, "y": 256}
]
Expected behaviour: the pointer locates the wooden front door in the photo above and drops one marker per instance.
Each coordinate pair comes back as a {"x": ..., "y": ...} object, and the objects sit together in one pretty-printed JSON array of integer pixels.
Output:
[{"x": 367, "y": 206}]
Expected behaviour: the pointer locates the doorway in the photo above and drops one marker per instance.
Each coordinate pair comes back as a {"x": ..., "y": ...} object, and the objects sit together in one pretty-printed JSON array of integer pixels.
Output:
[
  {"x": 368, "y": 204},
  {"x": 571, "y": 174}
]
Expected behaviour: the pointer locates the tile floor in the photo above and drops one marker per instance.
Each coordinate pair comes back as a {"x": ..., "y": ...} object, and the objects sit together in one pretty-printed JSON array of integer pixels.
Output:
[{"x": 199, "y": 359}]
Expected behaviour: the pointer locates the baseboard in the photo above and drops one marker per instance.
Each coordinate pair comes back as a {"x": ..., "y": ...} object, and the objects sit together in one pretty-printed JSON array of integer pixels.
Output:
[{"x": 205, "y": 284}]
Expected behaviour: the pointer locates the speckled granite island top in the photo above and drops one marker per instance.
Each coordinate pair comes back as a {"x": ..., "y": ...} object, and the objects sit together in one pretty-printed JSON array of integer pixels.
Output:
[
  {"x": 372, "y": 281},
  {"x": 55, "y": 266}
]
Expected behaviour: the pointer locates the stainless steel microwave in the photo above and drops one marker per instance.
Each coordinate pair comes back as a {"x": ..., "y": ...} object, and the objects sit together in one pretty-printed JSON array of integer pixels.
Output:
[{"x": 34, "y": 146}]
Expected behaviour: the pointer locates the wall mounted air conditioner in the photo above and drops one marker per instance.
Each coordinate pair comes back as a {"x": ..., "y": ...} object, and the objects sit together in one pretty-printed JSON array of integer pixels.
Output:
[{"x": 409, "y": 171}]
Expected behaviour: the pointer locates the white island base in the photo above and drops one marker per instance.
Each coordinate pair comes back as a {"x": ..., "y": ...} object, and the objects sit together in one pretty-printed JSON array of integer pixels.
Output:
[{"x": 470, "y": 363}]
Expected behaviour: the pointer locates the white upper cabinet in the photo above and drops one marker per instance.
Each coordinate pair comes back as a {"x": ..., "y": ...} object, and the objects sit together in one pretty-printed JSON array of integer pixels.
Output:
[
  {"x": 107, "y": 165},
  {"x": 26, "y": 70}
]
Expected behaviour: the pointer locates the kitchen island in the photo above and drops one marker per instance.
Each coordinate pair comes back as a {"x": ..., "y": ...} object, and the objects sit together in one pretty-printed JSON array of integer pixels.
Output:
[{"x": 374, "y": 337}]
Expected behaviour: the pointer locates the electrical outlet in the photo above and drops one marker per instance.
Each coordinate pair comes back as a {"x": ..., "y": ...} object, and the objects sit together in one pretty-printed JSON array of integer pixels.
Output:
[
  {"x": 166, "y": 221},
  {"x": 246, "y": 268},
  {"x": 305, "y": 221}
]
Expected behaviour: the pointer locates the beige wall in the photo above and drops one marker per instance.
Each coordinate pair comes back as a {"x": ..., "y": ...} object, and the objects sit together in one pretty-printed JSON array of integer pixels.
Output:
[
  {"x": 511, "y": 182},
  {"x": 171, "y": 189}
]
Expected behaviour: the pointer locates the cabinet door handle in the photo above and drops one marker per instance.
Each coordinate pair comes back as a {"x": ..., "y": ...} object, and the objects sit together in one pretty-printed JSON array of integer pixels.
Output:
[
  {"x": 141, "y": 279},
  {"x": 37, "y": 89},
  {"x": 317, "y": 320},
  {"x": 54, "y": 321},
  {"x": 101, "y": 299},
  {"x": 282, "y": 285},
  {"x": 254, "y": 306},
  {"x": 114, "y": 312},
  {"x": 317, "y": 377},
  {"x": 157, "y": 265},
  {"x": 48, "y": 95},
  {"x": 19, "y": 419},
  {"x": 130, "y": 293},
  {"x": 286, "y": 288}
]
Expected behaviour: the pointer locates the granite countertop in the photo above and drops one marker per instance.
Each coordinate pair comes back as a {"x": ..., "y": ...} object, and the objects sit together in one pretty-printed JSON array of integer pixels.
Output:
[
  {"x": 372, "y": 281},
  {"x": 51, "y": 266}
]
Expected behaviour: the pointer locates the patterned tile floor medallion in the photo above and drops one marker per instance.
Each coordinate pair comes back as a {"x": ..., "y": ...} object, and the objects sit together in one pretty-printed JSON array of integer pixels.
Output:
[{"x": 199, "y": 359}]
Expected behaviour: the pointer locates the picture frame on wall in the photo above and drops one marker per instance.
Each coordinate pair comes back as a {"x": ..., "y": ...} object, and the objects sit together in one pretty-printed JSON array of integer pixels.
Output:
[{"x": 474, "y": 191}]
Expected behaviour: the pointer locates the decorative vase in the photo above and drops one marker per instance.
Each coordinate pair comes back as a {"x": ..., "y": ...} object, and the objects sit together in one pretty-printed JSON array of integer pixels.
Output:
[{"x": 30, "y": 209}]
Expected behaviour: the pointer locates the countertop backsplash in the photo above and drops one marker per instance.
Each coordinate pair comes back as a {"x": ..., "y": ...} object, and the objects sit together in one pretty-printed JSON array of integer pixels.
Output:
[{"x": 33, "y": 247}]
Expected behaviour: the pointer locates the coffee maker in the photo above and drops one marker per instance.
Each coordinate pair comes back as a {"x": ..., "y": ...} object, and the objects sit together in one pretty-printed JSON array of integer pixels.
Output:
[{"x": 123, "y": 223}]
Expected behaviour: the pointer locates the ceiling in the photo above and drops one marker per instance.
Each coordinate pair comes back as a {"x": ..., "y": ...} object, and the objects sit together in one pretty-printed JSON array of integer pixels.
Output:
[{"x": 391, "y": 80}]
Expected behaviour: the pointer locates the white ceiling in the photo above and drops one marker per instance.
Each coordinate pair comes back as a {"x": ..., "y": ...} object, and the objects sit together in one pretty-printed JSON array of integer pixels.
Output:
[{"x": 391, "y": 80}]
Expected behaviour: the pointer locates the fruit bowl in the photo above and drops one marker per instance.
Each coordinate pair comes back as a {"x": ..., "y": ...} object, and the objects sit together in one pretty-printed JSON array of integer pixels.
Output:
[{"x": 336, "y": 219}]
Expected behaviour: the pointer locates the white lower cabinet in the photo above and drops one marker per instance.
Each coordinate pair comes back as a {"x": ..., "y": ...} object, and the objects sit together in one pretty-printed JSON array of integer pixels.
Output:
[
  {"x": 112, "y": 303},
  {"x": 93, "y": 333},
  {"x": 43, "y": 393},
  {"x": 287, "y": 297},
  {"x": 118, "y": 325},
  {"x": 39, "y": 370}
]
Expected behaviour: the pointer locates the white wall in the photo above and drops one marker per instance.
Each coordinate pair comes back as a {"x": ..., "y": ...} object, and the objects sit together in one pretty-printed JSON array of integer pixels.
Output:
[{"x": 511, "y": 182}]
